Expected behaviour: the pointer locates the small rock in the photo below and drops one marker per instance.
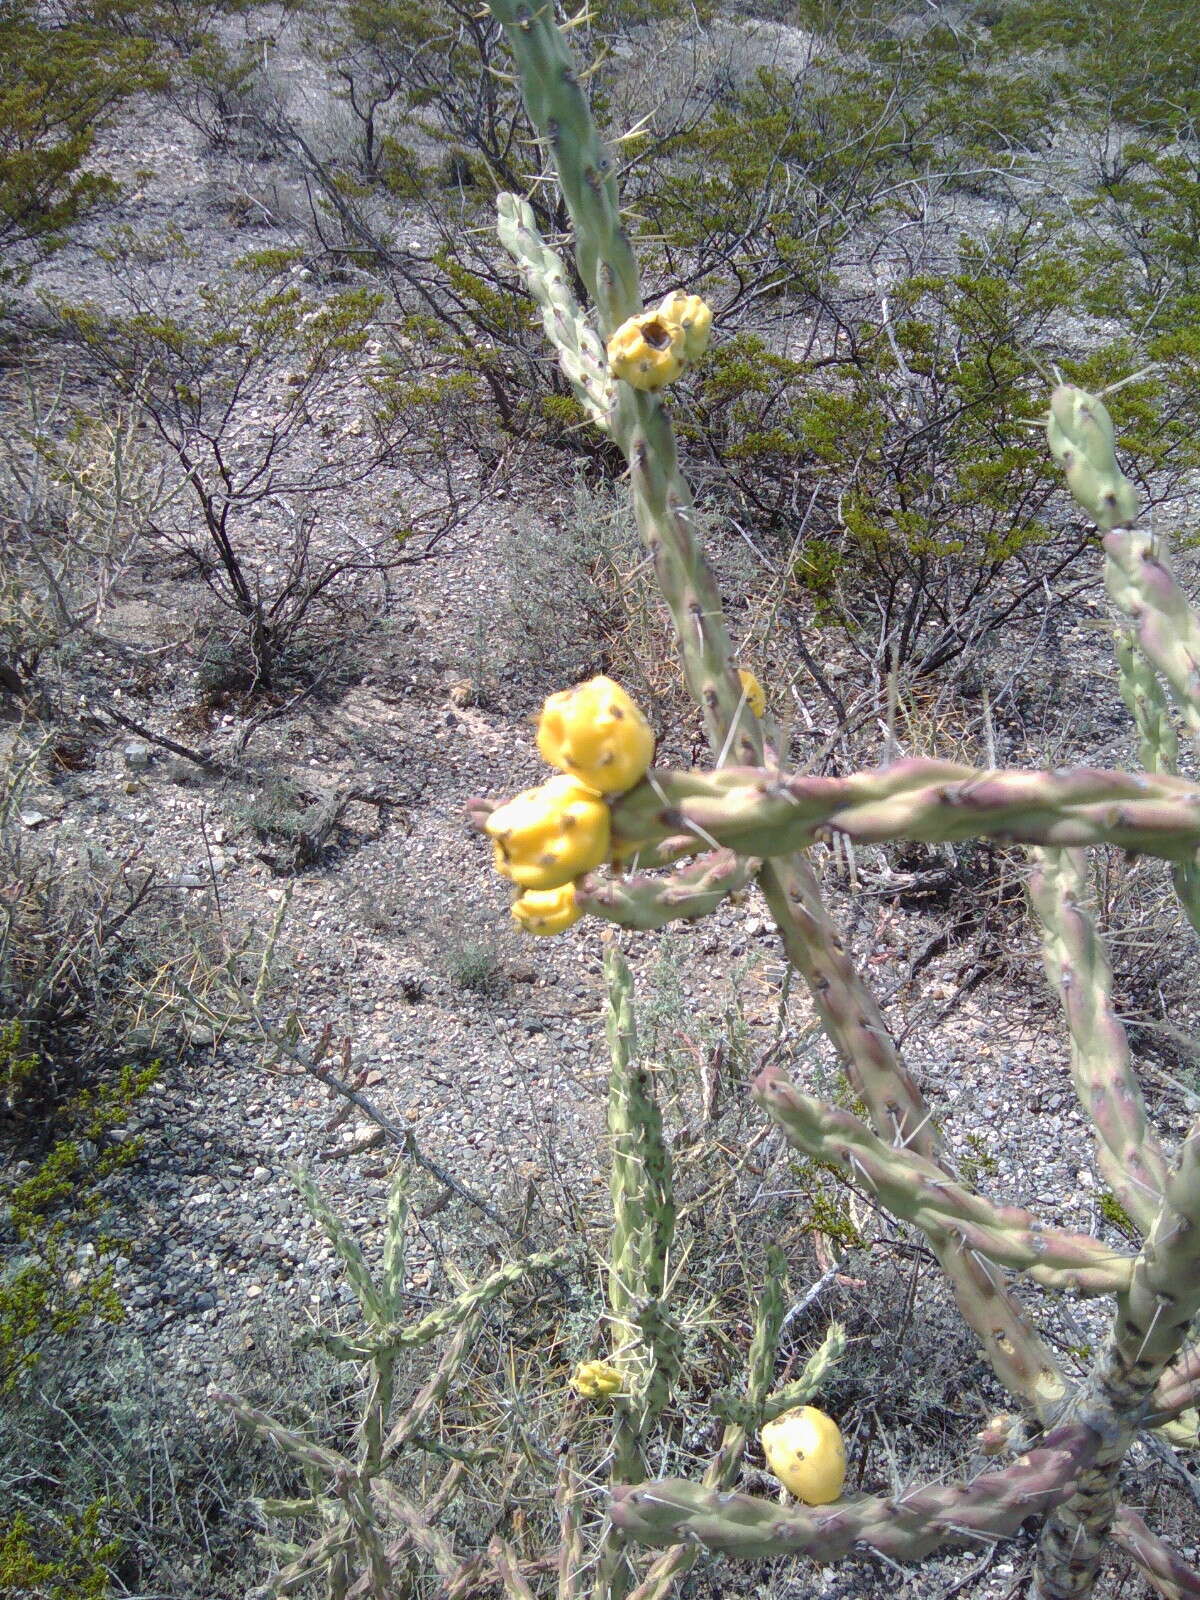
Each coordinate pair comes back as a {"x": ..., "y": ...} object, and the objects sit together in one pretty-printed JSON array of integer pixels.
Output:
[{"x": 137, "y": 754}]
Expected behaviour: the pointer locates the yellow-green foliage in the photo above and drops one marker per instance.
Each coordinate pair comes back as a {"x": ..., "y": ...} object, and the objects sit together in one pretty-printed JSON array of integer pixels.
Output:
[
  {"x": 48, "y": 1288},
  {"x": 18, "y": 1063},
  {"x": 1139, "y": 64},
  {"x": 61, "y": 74},
  {"x": 76, "y": 1570}
]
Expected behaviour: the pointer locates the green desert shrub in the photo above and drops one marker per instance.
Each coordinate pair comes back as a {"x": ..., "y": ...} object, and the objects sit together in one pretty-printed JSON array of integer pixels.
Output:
[{"x": 63, "y": 72}]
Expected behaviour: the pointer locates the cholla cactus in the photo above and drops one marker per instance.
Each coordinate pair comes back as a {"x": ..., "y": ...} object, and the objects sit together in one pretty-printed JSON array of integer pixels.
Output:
[
  {"x": 366, "y": 1524},
  {"x": 750, "y": 819}
]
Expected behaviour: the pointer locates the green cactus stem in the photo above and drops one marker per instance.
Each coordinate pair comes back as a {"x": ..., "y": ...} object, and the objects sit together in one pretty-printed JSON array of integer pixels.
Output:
[
  {"x": 756, "y": 811},
  {"x": 1129, "y": 1155},
  {"x": 645, "y": 1343},
  {"x": 1141, "y": 584},
  {"x": 902, "y": 1528},
  {"x": 1079, "y": 432},
  {"x": 1153, "y": 1318},
  {"x": 919, "y": 1191},
  {"x": 580, "y": 353},
  {"x": 399, "y": 1335},
  {"x": 812, "y": 1380},
  {"x": 1142, "y": 693},
  {"x": 559, "y": 110},
  {"x": 645, "y": 902}
]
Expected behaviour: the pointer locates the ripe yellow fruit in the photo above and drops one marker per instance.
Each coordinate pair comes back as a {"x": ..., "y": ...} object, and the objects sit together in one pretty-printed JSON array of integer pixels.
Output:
[
  {"x": 596, "y": 733},
  {"x": 804, "y": 1450},
  {"x": 596, "y": 1380},
  {"x": 755, "y": 698},
  {"x": 693, "y": 317},
  {"x": 546, "y": 911},
  {"x": 647, "y": 351},
  {"x": 546, "y": 836}
]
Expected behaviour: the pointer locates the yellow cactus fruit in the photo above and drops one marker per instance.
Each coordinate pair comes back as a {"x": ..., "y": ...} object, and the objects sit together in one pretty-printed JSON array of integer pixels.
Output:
[
  {"x": 546, "y": 911},
  {"x": 546, "y": 836},
  {"x": 597, "y": 733},
  {"x": 647, "y": 351},
  {"x": 804, "y": 1450},
  {"x": 693, "y": 317},
  {"x": 595, "y": 1380},
  {"x": 755, "y": 698}
]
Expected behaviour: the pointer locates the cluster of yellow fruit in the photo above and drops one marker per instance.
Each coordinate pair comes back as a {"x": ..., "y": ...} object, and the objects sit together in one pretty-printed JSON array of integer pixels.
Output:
[
  {"x": 652, "y": 349},
  {"x": 545, "y": 838}
]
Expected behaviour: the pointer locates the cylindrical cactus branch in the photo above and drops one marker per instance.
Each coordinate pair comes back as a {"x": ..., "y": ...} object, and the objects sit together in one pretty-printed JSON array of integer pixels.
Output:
[
  {"x": 395, "y": 1336},
  {"x": 918, "y": 1191},
  {"x": 644, "y": 1228},
  {"x": 642, "y": 901},
  {"x": 1143, "y": 695},
  {"x": 1159, "y": 748},
  {"x": 559, "y": 110},
  {"x": 663, "y": 506},
  {"x": 580, "y": 353},
  {"x": 1153, "y": 1318},
  {"x": 1140, "y": 582},
  {"x": 1129, "y": 1155},
  {"x": 645, "y": 1344},
  {"x": 1161, "y": 1566},
  {"x": 903, "y": 1528},
  {"x": 767, "y": 813}
]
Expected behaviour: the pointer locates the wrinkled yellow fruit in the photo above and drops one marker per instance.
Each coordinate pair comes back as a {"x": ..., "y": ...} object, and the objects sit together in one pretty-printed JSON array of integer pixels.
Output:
[
  {"x": 693, "y": 317},
  {"x": 546, "y": 910},
  {"x": 647, "y": 351},
  {"x": 595, "y": 1380},
  {"x": 546, "y": 836},
  {"x": 804, "y": 1450},
  {"x": 755, "y": 698},
  {"x": 596, "y": 733}
]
